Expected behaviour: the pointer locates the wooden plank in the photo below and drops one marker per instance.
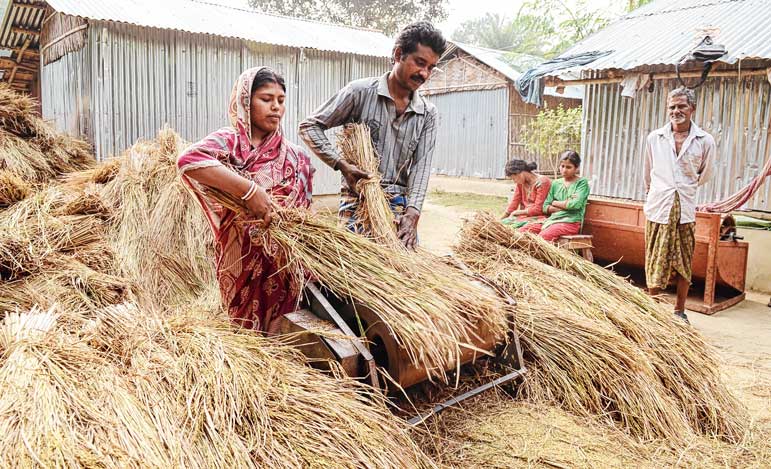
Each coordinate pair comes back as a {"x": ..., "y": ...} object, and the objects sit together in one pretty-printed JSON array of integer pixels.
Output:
[
  {"x": 305, "y": 327},
  {"x": 10, "y": 63},
  {"x": 20, "y": 30}
]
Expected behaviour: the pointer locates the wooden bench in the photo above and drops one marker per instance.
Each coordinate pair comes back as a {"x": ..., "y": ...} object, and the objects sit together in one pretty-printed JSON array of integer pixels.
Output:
[{"x": 581, "y": 243}]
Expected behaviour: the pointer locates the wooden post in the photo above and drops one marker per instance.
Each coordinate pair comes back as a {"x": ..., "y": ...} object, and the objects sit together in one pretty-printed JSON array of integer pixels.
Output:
[{"x": 19, "y": 57}]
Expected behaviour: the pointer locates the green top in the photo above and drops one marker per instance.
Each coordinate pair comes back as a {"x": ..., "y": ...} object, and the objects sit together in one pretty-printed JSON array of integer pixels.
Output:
[{"x": 576, "y": 194}]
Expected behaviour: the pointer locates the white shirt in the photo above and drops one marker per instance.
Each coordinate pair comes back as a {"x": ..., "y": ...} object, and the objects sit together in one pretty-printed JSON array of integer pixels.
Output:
[{"x": 667, "y": 173}]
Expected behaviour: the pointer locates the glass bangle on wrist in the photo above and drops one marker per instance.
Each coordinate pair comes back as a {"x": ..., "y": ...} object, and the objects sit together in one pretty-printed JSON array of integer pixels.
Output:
[{"x": 250, "y": 192}]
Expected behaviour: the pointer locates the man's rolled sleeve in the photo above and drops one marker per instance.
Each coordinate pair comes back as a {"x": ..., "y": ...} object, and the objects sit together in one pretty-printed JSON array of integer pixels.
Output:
[
  {"x": 336, "y": 111},
  {"x": 421, "y": 165}
]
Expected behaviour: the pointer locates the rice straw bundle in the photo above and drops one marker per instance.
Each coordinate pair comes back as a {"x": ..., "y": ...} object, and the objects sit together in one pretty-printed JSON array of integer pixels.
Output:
[
  {"x": 38, "y": 206},
  {"x": 374, "y": 211},
  {"x": 102, "y": 173},
  {"x": 246, "y": 400},
  {"x": 97, "y": 256},
  {"x": 583, "y": 364},
  {"x": 24, "y": 159},
  {"x": 683, "y": 363},
  {"x": 23, "y": 249},
  {"x": 161, "y": 237},
  {"x": 12, "y": 188},
  {"x": 86, "y": 202},
  {"x": 64, "y": 405},
  {"x": 30, "y": 147},
  {"x": 18, "y": 115},
  {"x": 432, "y": 309},
  {"x": 66, "y": 283}
]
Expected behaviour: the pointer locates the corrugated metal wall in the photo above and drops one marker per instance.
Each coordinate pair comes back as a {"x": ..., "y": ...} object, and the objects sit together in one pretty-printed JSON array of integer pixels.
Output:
[
  {"x": 736, "y": 112},
  {"x": 129, "y": 81},
  {"x": 473, "y": 133}
]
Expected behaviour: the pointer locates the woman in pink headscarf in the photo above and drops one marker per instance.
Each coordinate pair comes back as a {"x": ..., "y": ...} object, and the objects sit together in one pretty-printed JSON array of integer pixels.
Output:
[{"x": 254, "y": 163}]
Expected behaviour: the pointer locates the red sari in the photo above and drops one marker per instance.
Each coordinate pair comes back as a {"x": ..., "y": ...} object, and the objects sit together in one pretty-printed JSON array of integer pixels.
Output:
[{"x": 254, "y": 290}]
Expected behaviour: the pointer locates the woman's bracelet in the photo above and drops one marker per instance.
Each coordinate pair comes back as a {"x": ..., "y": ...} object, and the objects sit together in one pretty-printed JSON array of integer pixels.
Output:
[{"x": 250, "y": 192}]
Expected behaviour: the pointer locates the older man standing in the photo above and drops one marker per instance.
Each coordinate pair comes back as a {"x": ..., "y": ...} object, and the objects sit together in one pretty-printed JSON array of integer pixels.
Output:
[
  {"x": 679, "y": 158},
  {"x": 403, "y": 127}
]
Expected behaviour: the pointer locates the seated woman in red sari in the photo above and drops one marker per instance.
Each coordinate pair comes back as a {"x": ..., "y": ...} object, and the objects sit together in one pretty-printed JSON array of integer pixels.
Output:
[
  {"x": 526, "y": 207},
  {"x": 253, "y": 162}
]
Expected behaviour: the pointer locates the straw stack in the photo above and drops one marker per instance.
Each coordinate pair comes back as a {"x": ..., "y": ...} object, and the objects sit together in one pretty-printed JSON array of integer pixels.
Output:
[
  {"x": 134, "y": 388},
  {"x": 496, "y": 431},
  {"x": 684, "y": 367},
  {"x": 160, "y": 235},
  {"x": 30, "y": 148},
  {"x": 12, "y": 188},
  {"x": 89, "y": 384},
  {"x": 373, "y": 213}
]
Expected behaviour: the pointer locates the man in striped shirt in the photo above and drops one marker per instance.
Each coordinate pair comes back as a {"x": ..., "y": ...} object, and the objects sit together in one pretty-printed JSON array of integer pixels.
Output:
[{"x": 403, "y": 127}]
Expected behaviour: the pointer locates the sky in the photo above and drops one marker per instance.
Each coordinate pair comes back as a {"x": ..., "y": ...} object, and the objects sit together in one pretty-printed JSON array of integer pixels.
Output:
[{"x": 462, "y": 10}]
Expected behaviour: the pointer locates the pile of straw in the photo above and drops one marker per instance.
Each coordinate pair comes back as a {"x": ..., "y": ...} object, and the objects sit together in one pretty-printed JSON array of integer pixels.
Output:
[
  {"x": 12, "y": 188},
  {"x": 132, "y": 388},
  {"x": 30, "y": 148},
  {"x": 495, "y": 431},
  {"x": 104, "y": 382},
  {"x": 599, "y": 346},
  {"x": 162, "y": 239},
  {"x": 373, "y": 213}
]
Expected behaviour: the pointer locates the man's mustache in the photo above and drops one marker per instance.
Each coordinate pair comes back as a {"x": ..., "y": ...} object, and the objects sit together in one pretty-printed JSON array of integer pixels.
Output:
[{"x": 418, "y": 78}]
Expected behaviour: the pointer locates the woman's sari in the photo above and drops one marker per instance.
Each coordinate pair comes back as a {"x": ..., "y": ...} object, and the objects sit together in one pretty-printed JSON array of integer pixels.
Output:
[{"x": 254, "y": 290}]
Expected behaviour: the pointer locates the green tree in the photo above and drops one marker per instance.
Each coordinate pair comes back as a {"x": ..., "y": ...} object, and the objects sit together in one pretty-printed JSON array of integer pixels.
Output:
[
  {"x": 521, "y": 35},
  {"x": 540, "y": 29},
  {"x": 571, "y": 23},
  {"x": 552, "y": 132},
  {"x": 386, "y": 15}
]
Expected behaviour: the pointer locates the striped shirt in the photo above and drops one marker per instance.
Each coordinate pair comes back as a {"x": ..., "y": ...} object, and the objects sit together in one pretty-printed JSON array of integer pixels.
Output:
[{"x": 405, "y": 143}]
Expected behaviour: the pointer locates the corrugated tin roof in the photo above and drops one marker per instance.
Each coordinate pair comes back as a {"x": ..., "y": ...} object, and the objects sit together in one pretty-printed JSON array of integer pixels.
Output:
[
  {"x": 226, "y": 21},
  {"x": 494, "y": 59},
  {"x": 490, "y": 57},
  {"x": 663, "y": 31}
]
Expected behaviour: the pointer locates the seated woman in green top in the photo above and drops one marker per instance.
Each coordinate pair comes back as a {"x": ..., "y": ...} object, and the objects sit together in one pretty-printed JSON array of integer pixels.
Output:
[{"x": 566, "y": 202}]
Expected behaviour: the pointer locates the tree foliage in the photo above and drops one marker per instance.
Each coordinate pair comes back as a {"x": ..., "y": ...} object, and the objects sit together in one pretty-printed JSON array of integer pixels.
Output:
[
  {"x": 520, "y": 35},
  {"x": 552, "y": 132},
  {"x": 543, "y": 28},
  {"x": 386, "y": 15}
]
